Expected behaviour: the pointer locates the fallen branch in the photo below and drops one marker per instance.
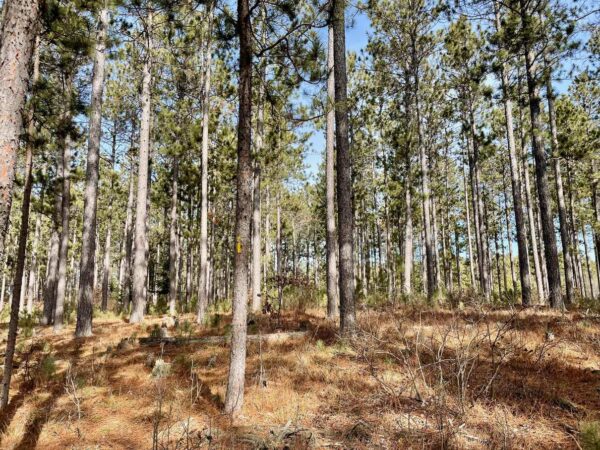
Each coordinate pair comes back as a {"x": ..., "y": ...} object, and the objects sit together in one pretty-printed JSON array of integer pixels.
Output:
[{"x": 272, "y": 337}]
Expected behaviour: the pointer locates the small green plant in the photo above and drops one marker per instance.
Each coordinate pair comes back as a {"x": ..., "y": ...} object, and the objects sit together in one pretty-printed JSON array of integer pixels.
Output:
[
  {"x": 46, "y": 369},
  {"x": 27, "y": 322},
  {"x": 185, "y": 329},
  {"x": 589, "y": 435},
  {"x": 155, "y": 332},
  {"x": 161, "y": 369}
]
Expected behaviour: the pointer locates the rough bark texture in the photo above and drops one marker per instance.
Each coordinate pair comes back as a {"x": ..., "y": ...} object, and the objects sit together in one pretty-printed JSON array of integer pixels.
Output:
[
  {"x": 333, "y": 300},
  {"x": 17, "y": 36},
  {"x": 61, "y": 281},
  {"x": 88, "y": 238},
  {"x": 140, "y": 260},
  {"x": 203, "y": 279},
  {"x": 344, "y": 173},
  {"x": 539, "y": 153},
  {"x": 18, "y": 280},
  {"x": 515, "y": 180},
  {"x": 562, "y": 208},
  {"x": 234, "y": 398}
]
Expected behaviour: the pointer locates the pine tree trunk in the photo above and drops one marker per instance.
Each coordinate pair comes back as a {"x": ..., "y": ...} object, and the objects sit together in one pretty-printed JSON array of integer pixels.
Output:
[
  {"x": 469, "y": 235},
  {"x": 65, "y": 215},
  {"x": 125, "y": 266},
  {"x": 174, "y": 254},
  {"x": 587, "y": 261},
  {"x": 234, "y": 398},
  {"x": 203, "y": 279},
  {"x": 408, "y": 234},
  {"x": 333, "y": 300},
  {"x": 140, "y": 261},
  {"x": 562, "y": 213},
  {"x": 33, "y": 264},
  {"x": 17, "y": 36},
  {"x": 539, "y": 153},
  {"x": 256, "y": 278},
  {"x": 106, "y": 269},
  {"x": 595, "y": 229},
  {"x": 524, "y": 272},
  {"x": 85, "y": 303},
  {"x": 344, "y": 173},
  {"x": 19, "y": 276}
]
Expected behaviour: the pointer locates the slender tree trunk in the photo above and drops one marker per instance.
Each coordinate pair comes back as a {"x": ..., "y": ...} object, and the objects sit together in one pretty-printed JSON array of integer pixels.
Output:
[
  {"x": 562, "y": 210},
  {"x": 279, "y": 262},
  {"x": 539, "y": 153},
  {"x": 524, "y": 273},
  {"x": 331, "y": 236},
  {"x": 88, "y": 239},
  {"x": 587, "y": 261},
  {"x": 595, "y": 229},
  {"x": 17, "y": 36},
  {"x": 256, "y": 242},
  {"x": 61, "y": 282},
  {"x": 344, "y": 172},
  {"x": 234, "y": 398},
  {"x": 125, "y": 267},
  {"x": 13, "y": 324},
  {"x": 203, "y": 281},
  {"x": 468, "y": 227},
  {"x": 173, "y": 240},
  {"x": 33, "y": 264},
  {"x": 140, "y": 261},
  {"x": 408, "y": 234}
]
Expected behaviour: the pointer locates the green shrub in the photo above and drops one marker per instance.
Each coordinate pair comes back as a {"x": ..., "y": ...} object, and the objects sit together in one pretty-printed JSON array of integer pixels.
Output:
[{"x": 589, "y": 435}]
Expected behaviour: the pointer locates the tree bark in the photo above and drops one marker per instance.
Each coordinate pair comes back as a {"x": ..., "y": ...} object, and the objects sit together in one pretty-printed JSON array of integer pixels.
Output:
[
  {"x": 562, "y": 209},
  {"x": 17, "y": 36},
  {"x": 256, "y": 280},
  {"x": 344, "y": 173},
  {"x": 333, "y": 308},
  {"x": 65, "y": 214},
  {"x": 524, "y": 272},
  {"x": 203, "y": 279},
  {"x": 234, "y": 398},
  {"x": 140, "y": 260},
  {"x": 85, "y": 303},
  {"x": 539, "y": 153},
  {"x": 174, "y": 256}
]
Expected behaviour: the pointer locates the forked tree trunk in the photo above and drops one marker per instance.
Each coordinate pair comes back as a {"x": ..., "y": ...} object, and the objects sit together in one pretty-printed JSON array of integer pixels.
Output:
[
  {"x": 140, "y": 260},
  {"x": 234, "y": 398},
  {"x": 344, "y": 173},
  {"x": 19, "y": 28},
  {"x": 333, "y": 300},
  {"x": 85, "y": 303}
]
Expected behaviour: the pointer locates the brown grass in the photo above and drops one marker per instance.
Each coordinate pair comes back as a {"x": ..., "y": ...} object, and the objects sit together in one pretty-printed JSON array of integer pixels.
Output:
[{"x": 411, "y": 379}]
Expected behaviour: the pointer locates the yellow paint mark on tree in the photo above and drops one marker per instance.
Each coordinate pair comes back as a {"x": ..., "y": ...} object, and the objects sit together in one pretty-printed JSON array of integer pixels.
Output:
[{"x": 238, "y": 245}]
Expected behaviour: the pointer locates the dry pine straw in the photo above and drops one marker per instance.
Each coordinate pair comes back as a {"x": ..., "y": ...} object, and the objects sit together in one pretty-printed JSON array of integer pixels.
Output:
[{"x": 318, "y": 391}]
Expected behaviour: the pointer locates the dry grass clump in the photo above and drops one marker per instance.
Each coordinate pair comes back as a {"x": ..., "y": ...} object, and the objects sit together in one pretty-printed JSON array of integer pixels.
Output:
[{"x": 412, "y": 378}]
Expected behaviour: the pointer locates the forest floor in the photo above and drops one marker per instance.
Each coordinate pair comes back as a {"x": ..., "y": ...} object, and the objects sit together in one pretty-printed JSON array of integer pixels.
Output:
[{"x": 412, "y": 378}]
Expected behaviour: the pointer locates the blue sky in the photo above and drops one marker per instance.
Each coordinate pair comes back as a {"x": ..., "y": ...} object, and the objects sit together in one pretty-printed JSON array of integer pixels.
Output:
[{"x": 357, "y": 31}]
